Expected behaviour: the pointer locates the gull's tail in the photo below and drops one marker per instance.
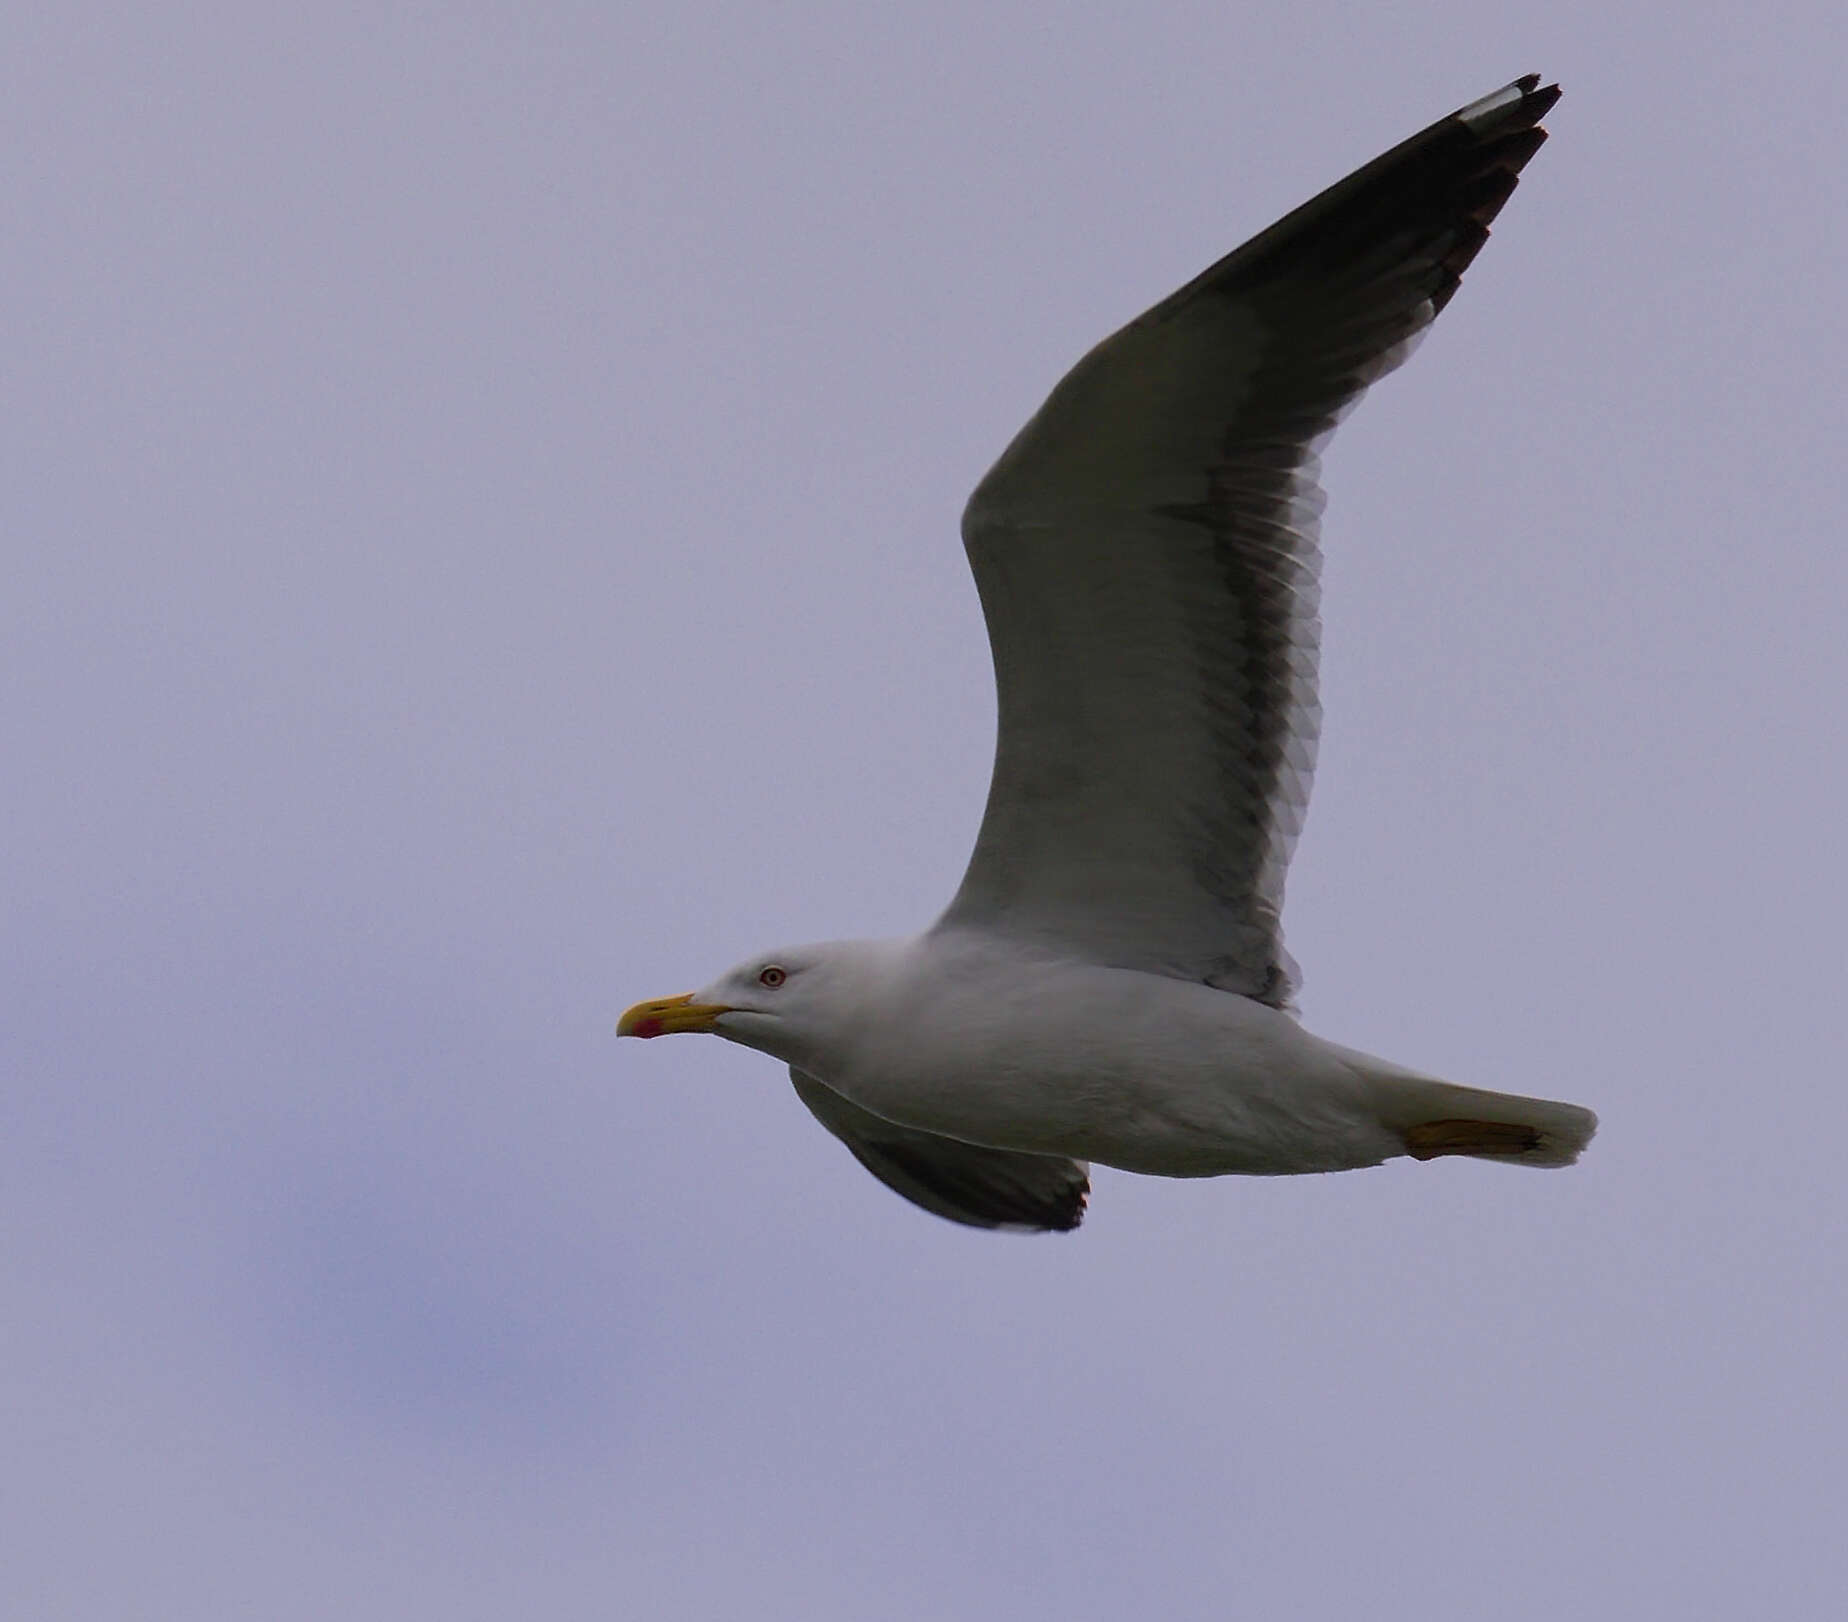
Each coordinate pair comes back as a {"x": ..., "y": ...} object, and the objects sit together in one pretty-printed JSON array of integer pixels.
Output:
[{"x": 1435, "y": 1118}]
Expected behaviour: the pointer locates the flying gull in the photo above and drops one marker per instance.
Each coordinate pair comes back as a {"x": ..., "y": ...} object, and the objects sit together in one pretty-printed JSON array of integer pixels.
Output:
[{"x": 1110, "y": 984}]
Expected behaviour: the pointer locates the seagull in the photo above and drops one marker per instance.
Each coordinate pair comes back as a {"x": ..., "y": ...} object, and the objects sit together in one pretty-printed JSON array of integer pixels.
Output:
[{"x": 1109, "y": 983}]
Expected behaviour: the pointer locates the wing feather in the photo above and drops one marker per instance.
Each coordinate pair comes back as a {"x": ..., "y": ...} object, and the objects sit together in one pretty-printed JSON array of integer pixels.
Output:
[
  {"x": 962, "y": 1182},
  {"x": 1146, "y": 552}
]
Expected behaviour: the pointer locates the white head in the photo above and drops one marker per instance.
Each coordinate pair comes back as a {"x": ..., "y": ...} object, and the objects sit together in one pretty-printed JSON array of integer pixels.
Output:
[{"x": 800, "y": 1003}]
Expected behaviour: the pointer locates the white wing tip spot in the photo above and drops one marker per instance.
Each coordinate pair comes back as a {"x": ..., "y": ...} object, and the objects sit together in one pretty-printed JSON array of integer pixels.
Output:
[{"x": 1478, "y": 113}]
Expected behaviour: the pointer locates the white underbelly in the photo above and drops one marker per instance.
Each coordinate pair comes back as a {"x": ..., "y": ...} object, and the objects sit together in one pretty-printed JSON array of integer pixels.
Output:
[{"x": 1124, "y": 1069}]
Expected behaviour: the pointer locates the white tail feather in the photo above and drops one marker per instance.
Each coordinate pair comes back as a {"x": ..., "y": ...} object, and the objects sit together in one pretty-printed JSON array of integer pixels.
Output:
[{"x": 1408, "y": 1102}]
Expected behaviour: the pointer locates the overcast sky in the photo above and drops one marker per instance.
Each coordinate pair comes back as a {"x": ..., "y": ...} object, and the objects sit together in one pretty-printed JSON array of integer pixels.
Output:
[{"x": 479, "y": 509}]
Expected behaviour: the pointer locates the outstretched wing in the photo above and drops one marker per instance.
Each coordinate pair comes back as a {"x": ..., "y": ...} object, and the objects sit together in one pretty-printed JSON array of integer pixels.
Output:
[
  {"x": 1146, "y": 556},
  {"x": 981, "y": 1188}
]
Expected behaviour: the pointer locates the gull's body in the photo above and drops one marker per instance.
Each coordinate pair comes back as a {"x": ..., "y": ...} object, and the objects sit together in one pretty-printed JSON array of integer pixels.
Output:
[
  {"x": 1040, "y": 1053},
  {"x": 1109, "y": 984}
]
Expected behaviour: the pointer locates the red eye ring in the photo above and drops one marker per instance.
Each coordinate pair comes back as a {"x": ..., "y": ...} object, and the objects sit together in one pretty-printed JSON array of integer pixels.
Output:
[{"x": 772, "y": 976}]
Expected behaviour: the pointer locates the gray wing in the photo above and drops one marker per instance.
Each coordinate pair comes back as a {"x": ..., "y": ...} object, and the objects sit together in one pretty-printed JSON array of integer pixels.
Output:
[
  {"x": 1146, "y": 556},
  {"x": 981, "y": 1188}
]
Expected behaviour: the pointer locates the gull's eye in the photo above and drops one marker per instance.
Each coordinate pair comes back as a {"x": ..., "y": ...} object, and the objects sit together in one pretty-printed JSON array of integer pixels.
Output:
[{"x": 771, "y": 976}]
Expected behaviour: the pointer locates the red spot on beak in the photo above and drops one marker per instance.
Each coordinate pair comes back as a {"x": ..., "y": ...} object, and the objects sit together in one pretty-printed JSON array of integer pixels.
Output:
[{"x": 646, "y": 1028}]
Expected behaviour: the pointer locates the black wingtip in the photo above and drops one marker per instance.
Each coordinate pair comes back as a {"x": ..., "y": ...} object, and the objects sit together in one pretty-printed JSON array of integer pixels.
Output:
[
  {"x": 1540, "y": 100},
  {"x": 1518, "y": 105},
  {"x": 983, "y": 1188}
]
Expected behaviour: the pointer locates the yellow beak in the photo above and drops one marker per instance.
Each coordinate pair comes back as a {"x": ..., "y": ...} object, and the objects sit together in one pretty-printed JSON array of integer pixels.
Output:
[{"x": 668, "y": 1016}]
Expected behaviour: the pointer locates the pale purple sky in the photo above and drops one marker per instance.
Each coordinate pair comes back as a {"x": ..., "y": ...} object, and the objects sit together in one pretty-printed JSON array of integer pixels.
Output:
[{"x": 480, "y": 511}]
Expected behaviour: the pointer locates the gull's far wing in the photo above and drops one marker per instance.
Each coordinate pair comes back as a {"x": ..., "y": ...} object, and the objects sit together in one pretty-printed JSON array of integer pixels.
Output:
[
  {"x": 980, "y": 1188},
  {"x": 1146, "y": 556}
]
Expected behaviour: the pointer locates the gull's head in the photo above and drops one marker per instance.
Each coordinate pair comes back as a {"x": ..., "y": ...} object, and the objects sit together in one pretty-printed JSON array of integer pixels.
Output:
[{"x": 791, "y": 1003}]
